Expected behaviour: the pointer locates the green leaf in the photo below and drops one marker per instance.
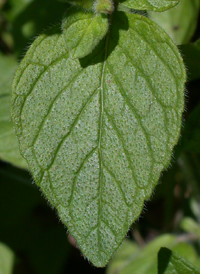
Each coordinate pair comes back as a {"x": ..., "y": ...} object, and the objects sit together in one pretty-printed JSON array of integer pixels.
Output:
[
  {"x": 189, "y": 225},
  {"x": 7, "y": 70},
  {"x": 170, "y": 262},
  {"x": 154, "y": 5},
  {"x": 137, "y": 262},
  {"x": 9, "y": 149},
  {"x": 6, "y": 259},
  {"x": 97, "y": 132},
  {"x": 191, "y": 56},
  {"x": 128, "y": 259},
  {"x": 103, "y": 6},
  {"x": 180, "y": 28},
  {"x": 186, "y": 251},
  {"x": 83, "y": 31}
]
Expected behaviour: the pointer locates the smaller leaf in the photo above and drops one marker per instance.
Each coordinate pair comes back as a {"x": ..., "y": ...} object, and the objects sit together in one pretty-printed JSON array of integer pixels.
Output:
[
  {"x": 83, "y": 31},
  {"x": 170, "y": 262},
  {"x": 153, "y": 5}
]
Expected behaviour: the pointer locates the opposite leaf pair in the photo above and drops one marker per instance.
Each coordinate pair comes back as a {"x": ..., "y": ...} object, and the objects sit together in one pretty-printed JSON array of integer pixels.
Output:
[{"x": 84, "y": 30}]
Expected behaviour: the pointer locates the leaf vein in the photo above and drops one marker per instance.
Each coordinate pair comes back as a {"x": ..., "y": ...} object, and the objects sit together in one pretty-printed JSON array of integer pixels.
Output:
[
  {"x": 111, "y": 120},
  {"x": 89, "y": 155},
  {"x": 117, "y": 183},
  {"x": 37, "y": 79},
  {"x": 51, "y": 106},
  {"x": 72, "y": 127}
]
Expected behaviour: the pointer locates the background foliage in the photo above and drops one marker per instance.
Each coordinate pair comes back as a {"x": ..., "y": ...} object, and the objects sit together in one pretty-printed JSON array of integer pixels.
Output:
[{"x": 35, "y": 240}]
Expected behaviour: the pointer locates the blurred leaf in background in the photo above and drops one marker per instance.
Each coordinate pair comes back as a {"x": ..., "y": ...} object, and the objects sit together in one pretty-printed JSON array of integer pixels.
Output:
[
  {"x": 143, "y": 260},
  {"x": 179, "y": 22},
  {"x": 9, "y": 149},
  {"x": 189, "y": 225},
  {"x": 7, "y": 258},
  {"x": 14, "y": 8}
]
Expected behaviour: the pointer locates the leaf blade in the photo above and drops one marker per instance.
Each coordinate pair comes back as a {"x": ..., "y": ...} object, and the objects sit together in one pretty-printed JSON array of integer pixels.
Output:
[{"x": 92, "y": 119}]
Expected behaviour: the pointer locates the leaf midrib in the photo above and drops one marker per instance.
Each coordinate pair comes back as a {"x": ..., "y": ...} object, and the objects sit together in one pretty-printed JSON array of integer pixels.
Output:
[{"x": 100, "y": 138}]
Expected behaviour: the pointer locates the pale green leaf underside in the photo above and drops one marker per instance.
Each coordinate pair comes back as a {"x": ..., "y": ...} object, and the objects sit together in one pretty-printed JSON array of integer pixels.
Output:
[
  {"x": 170, "y": 262},
  {"x": 153, "y": 5},
  {"x": 97, "y": 132},
  {"x": 180, "y": 28},
  {"x": 83, "y": 31}
]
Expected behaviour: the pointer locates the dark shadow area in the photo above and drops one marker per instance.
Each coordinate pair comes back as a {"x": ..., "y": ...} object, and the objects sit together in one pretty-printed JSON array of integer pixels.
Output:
[
  {"x": 29, "y": 226},
  {"x": 16, "y": 174},
  {"x": 164, "y": 256},
  {"x": 103, "y": 50},
  {"x": 77, "y": 264},
  {"x": 196, "y": 35}
]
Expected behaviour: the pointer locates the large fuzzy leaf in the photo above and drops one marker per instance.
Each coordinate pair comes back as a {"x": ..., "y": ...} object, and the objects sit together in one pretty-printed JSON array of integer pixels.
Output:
[{"x": 97, "y": 132}]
